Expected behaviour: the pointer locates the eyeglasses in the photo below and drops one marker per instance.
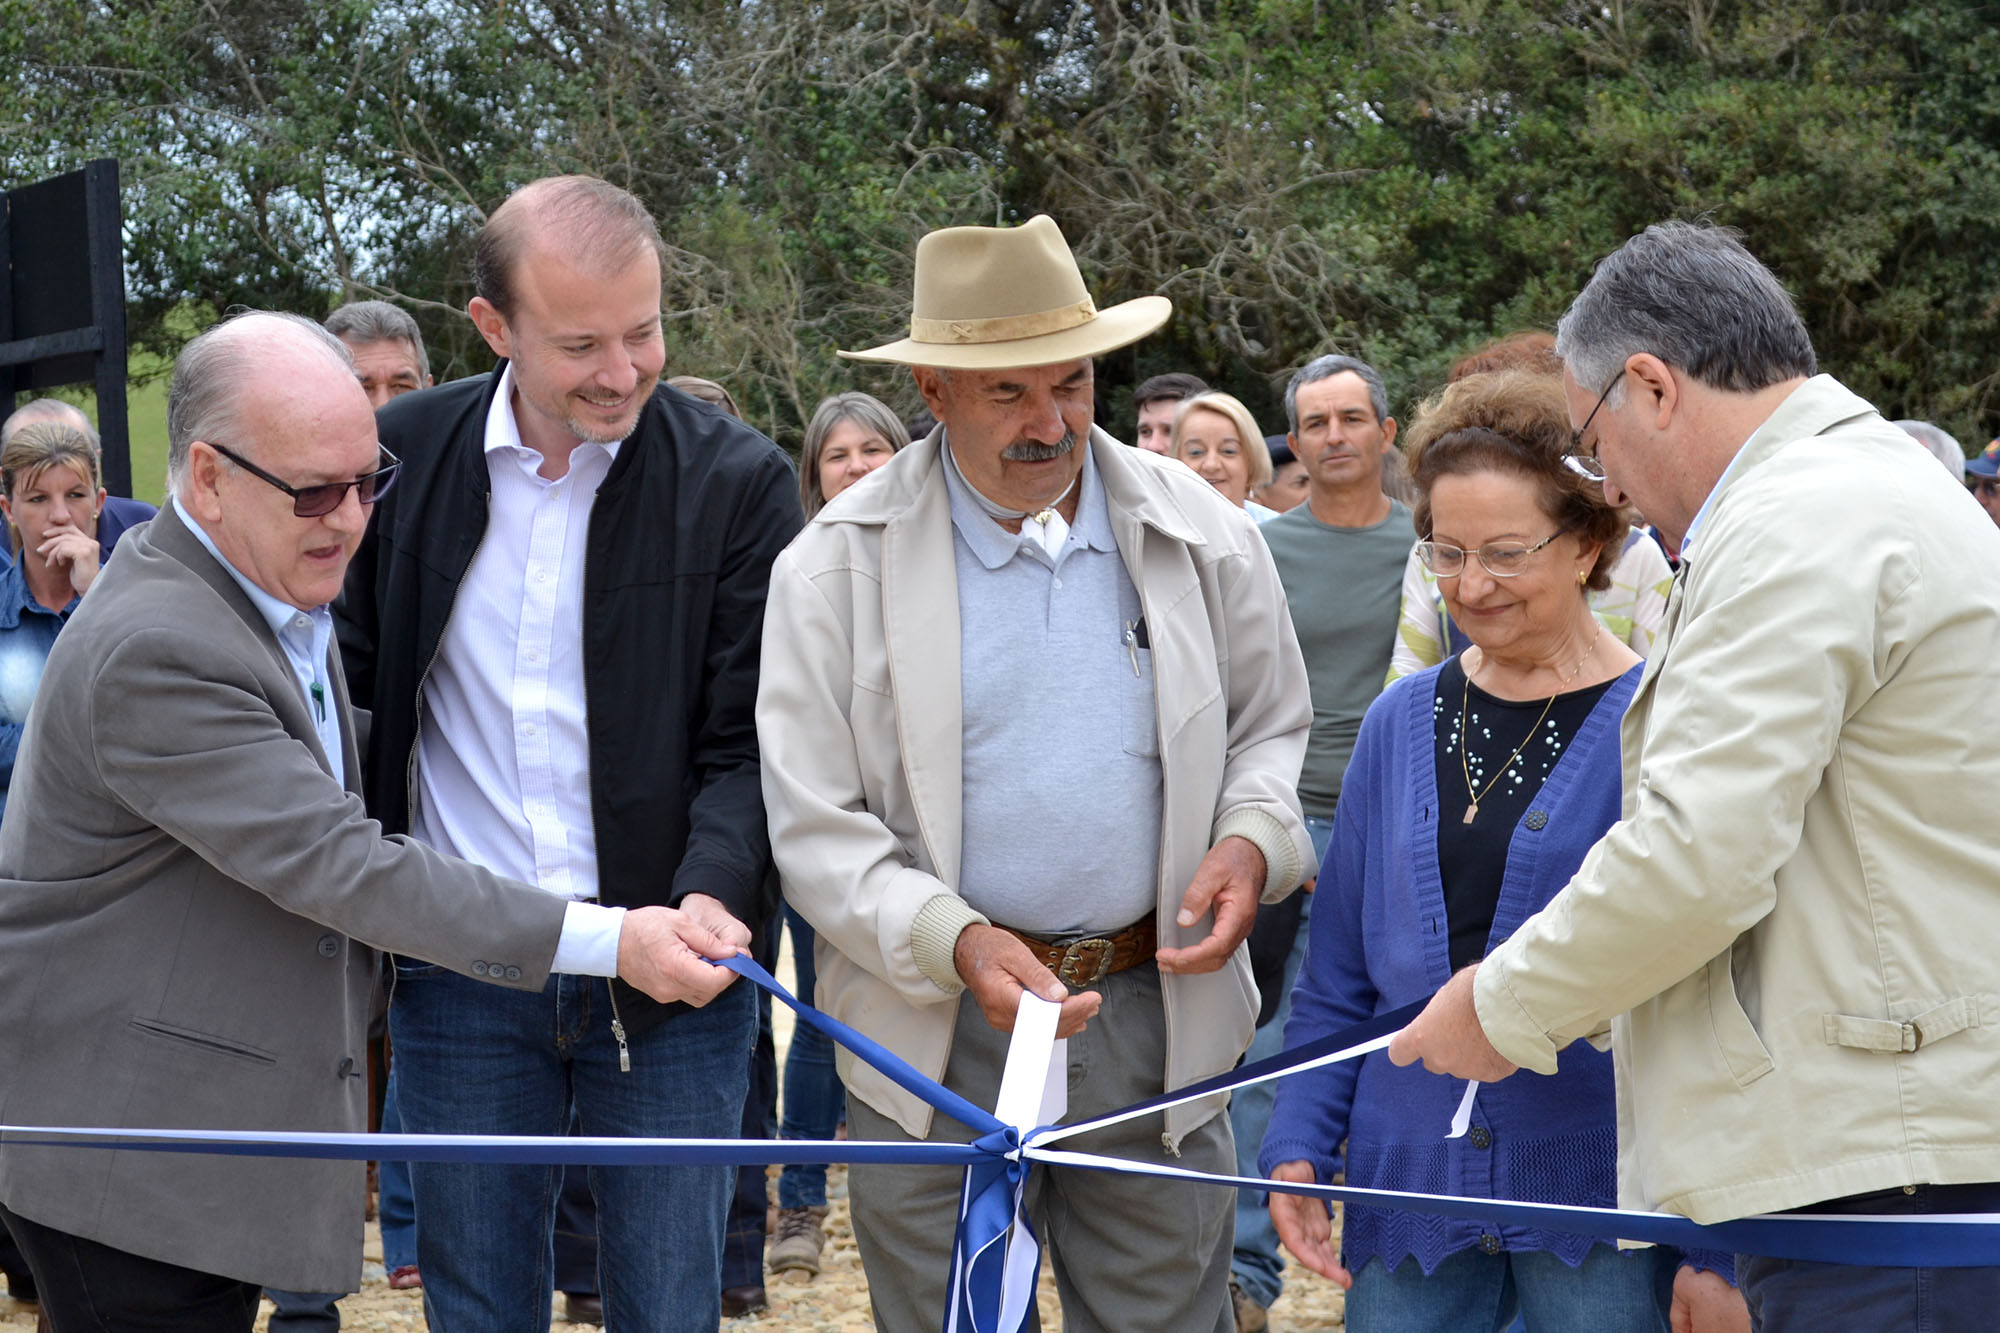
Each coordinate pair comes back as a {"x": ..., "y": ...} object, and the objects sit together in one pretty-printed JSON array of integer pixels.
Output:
[
  {"x": 1503, "y": 560},
  {"x": 1576, "y": 460},
  {"x": 1985, "y": 487},
  {"x": 318, "y": 501}
]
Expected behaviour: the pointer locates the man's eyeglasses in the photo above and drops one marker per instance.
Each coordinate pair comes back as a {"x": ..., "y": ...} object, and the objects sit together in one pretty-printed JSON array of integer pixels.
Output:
[
  {"x": 1576, "y": 460},
  {"x": 317, "y": 501},
  {"x": 1986, "y": 487},
  {"x": 1503, "y": 560}
]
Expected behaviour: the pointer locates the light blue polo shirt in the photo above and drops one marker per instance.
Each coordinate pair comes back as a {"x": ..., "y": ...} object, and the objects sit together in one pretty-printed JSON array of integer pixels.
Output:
[{"x": 1063, "y": 785}]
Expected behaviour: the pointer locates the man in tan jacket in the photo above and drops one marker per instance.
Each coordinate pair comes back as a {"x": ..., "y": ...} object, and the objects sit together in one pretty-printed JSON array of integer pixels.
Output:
[
  {"x": 1032, "y": 714},
  {"x": 1790, "y": 933}
]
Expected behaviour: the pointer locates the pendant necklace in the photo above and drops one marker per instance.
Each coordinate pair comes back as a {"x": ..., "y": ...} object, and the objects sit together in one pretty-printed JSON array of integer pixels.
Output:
[{"x": 1465, "y": 732}]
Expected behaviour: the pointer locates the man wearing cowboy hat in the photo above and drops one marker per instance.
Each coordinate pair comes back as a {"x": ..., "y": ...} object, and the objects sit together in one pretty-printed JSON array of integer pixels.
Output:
[{"x": 1031, "y": 717}]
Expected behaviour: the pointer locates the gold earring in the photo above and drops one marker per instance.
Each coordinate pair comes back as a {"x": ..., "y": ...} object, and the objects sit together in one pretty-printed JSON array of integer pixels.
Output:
[{"x": 1582, "y": 577}]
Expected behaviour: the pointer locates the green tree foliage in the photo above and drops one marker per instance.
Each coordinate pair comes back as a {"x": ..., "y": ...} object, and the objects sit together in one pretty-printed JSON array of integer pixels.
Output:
[{"x": 1400, "y": 181}]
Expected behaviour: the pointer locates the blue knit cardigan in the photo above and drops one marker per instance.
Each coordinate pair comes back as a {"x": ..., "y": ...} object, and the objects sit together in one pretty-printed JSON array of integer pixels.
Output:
[{"x": 1380, "y": 940}]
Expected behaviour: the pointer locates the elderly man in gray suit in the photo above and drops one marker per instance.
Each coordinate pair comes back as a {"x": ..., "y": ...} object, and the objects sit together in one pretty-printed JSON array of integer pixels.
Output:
[{"x": 191, "y": 894}]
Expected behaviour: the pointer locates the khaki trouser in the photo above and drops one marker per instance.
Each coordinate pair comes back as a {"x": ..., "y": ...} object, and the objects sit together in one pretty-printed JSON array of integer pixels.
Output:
[{"x": 1131, "y": 1254}]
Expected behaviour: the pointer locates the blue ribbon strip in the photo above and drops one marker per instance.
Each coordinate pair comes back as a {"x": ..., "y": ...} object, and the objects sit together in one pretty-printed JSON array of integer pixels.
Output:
[{"x": 996, "y": 1164}]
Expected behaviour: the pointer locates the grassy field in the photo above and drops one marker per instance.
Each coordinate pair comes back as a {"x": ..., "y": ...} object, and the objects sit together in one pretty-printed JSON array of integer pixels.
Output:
[{"x": 146, "y": 406}]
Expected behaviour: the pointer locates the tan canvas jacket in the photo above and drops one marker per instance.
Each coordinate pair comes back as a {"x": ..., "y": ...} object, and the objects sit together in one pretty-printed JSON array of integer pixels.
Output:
[
  {"x": 1800, "y": 907},
  {"x": 858, "y": 721}
]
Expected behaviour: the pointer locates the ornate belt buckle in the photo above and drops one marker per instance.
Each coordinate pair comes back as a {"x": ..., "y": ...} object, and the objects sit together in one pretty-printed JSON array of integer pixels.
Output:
[{"x": 1086, "y": 961}]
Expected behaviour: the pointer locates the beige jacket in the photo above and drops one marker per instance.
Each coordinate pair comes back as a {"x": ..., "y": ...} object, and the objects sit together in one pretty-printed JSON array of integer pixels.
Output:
[
  {"x": 858, "y": 722},
  {"x": 1800, "y": 907}
]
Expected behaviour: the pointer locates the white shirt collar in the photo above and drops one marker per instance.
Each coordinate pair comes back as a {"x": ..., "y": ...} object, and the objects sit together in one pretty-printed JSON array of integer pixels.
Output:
[{"x": 503, "y": 431}]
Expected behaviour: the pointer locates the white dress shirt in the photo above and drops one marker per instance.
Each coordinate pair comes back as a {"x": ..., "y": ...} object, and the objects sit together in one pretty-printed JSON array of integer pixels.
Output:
[
  {"x": 589, "y": 941},
  {"x": 503, "y": 759}
]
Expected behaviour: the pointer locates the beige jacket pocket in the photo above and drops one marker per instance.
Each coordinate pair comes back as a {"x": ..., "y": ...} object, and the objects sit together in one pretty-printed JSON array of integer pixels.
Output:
[{"x": 1743, "y": 1051}]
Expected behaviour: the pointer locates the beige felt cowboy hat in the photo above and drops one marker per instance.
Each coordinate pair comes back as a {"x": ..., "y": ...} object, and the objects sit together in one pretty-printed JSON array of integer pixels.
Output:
[{"x": 996, "y": 298}]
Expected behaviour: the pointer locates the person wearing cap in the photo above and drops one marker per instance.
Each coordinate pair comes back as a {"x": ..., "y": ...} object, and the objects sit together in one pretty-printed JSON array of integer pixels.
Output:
[
  {"x": 1982, "y": 476},
  {"x": 1289, "y": 484},
  {"x": 1031, "y": 714}
]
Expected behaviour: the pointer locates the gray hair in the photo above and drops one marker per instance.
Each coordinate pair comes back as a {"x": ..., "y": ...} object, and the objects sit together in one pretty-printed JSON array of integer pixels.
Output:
[
  {"x": 1691, "y": 295},
  {"x": 1940, "y": 442},
  {"x": 864, "y": 410},
  {"x": 49, "y": 409},
  {"x": 364, "y": 322},
  {"x": 1325, "y": 368},
  {"x": 205, "y": 395}
]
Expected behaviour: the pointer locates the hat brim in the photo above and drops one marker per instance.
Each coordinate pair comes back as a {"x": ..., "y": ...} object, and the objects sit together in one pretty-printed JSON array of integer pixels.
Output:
[{"x": 1120, "y": 326}]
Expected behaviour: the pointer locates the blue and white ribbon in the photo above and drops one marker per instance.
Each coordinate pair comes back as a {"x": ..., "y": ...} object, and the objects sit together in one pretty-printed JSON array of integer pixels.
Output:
[{"x": 995, "y": 1256}]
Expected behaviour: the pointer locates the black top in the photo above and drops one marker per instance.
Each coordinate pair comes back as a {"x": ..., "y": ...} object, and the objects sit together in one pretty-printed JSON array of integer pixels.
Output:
[
  {"x": 682, "y": 535},
  {"x": 1472, "y": 858}
]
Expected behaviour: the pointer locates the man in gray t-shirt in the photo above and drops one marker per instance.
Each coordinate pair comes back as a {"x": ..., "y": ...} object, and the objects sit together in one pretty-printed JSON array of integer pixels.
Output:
[{"x": 1340, "y": 558}]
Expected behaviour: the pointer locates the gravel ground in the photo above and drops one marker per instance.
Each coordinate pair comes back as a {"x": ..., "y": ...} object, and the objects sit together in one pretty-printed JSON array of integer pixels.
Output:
[{"x": 834, "y": 1302}]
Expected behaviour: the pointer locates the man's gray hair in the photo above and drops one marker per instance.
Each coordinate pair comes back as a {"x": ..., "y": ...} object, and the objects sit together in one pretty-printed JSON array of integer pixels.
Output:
[
  {"x": 1943, "y": 446},
  {"x": 49, "y": 409},
  {"x": 205, "y": 396},
  {"x": 1325, "y": 368},
  {"x": 363, "y": 322},
  {"x": 1691, "y": 295}
]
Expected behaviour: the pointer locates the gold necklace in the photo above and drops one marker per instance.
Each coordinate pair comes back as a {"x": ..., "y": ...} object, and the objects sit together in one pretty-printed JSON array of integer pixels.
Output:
[{"x": 1465, "y": 732}]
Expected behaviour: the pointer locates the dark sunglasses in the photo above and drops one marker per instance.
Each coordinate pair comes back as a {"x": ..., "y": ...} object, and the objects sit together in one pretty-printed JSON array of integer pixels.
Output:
[{"x": 317, "y": 501}]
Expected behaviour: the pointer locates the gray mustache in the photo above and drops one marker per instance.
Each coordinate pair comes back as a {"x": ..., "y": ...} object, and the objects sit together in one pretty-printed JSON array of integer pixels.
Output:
[{"x": 1033, "y": 451}]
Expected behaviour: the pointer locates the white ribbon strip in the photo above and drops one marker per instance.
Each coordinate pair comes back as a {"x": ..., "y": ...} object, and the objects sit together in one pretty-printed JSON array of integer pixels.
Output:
[
  {"x": 1061, "y": 1132},
  {"x": 1461, "y": 1119},
  {"x": 1034, "y": 1090},
  {"x": 1389, "y": 1198}
]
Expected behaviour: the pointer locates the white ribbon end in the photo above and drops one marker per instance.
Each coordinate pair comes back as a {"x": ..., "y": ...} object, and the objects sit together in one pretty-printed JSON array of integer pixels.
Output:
[
  {"x": 1461, "y": 1119},
  {"x": 1033, "y": 1078}
]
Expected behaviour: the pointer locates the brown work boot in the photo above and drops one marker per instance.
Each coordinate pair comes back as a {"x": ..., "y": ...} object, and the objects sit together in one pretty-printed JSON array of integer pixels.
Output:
[{"x": 796, "y": 1244}]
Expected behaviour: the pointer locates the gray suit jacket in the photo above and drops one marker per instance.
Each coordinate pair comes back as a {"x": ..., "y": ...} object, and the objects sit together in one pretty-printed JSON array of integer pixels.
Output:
[{"x": 180, "y": 876}]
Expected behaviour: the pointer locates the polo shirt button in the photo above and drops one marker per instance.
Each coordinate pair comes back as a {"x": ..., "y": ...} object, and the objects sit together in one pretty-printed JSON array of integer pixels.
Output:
[
  {"x": 1538, "y": 819},
  {"x": 513, "y": 974},
  {"x": 329, "y": 945},
  {"x": 345, "y": 1068},
  {"x": 1481, "y": 1137},
  {"x": 479, "y": 969},
  {"x": 1489, "y": 1244}
]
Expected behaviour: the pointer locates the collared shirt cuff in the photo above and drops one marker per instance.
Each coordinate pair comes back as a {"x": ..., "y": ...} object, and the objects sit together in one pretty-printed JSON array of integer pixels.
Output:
[
  {"x": 589, "y": 943},
  {"x": 934, "y": 933},
  {"x": 1282, "y": 868},
  {"x": 1508, "y": 1025}
]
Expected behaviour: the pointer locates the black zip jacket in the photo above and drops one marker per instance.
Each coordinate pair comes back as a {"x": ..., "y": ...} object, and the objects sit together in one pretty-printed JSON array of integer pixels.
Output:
[{"x": 677, "y": 561}]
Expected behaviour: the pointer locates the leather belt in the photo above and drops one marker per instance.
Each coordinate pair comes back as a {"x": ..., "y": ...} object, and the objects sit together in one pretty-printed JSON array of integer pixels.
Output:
[{"x": 1081, "y": 962}]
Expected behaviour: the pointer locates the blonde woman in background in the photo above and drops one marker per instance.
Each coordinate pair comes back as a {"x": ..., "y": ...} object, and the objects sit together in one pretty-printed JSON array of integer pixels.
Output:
[
  {"x": 52, "y": 496},
  {"x": 1215, "y": 435}
]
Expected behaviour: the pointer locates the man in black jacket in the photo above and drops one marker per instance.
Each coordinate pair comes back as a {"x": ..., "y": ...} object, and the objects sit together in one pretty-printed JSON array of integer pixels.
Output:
[{"x": 555, "y": 620}]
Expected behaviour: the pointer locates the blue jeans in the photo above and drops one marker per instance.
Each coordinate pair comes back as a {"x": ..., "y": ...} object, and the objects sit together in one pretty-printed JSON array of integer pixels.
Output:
[
  {"x": 393, "y": 1206},
  {"x": 814, "y": 1100},
  {"x": 1256, "y": 1264},
  {"x": 473, "y": 1058},
  {"x": 1475, "y": 1292}
]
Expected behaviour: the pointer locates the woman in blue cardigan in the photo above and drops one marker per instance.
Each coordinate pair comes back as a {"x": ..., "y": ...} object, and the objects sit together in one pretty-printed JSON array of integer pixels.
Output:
[{"x": 1474, "y": 792}]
